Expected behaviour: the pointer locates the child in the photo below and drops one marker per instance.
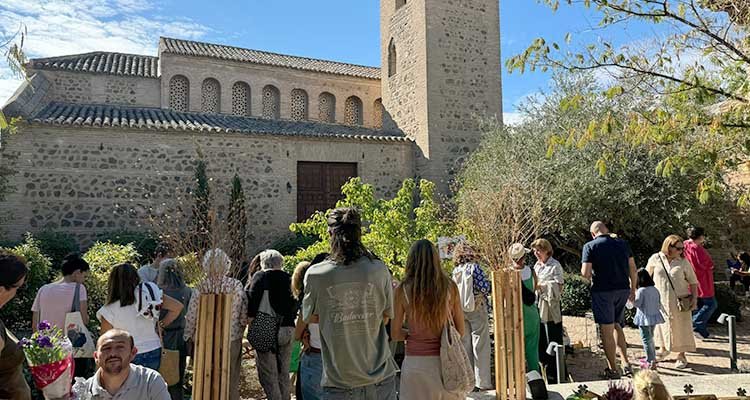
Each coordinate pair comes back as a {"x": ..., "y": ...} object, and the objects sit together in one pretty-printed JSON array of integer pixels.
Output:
[{"x": 648, "y": 314}]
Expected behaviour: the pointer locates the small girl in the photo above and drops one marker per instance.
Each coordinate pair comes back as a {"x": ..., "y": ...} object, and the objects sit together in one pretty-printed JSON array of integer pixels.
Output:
[{"x": 648, "y": 314}]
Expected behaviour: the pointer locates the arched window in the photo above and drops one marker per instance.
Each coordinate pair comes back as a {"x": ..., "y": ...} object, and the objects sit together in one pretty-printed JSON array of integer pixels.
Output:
[
  {"x": 377, "y": 114},
  {"x": 391, "y": 58},
  {"x": 210, "y": 95},
  {"x": 299, "y": 105},
  {"x": 179, "y": 93},
  {"x": 327, "y": 107},
  {"x": 353, "y": 111},
  {"x": 400, "y": 3},
  {"x": 271, "y": 102},
  {"x": 241, "y": 99}
]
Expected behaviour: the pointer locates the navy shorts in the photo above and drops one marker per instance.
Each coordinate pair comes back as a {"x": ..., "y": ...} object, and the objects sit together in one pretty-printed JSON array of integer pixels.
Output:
[{"x": 609, "y": 306}]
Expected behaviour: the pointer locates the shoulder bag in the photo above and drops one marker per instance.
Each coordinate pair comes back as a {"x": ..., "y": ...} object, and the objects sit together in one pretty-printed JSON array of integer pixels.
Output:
[
  {"x": 263, "y": 333},
  {"x": 455, "y": 367},
  {"x": 685, "y": 303},
  {"x": 76, "y": 330}
]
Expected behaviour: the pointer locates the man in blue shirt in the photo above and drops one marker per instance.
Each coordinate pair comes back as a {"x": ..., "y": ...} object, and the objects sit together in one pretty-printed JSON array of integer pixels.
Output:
[{"x": 608, "y": 262}]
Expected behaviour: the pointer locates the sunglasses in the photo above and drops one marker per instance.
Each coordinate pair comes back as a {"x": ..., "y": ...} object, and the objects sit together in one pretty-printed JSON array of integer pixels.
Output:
[{"x": 680, "y": 248}]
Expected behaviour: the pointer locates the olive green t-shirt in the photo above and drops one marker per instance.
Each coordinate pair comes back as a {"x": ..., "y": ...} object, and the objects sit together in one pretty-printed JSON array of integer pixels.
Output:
[{"x": 351, "y": 301}]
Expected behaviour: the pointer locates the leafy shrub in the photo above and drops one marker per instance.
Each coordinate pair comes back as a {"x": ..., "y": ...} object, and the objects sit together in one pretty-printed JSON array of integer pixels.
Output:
[
  {"x": 576, "y": 296},
  {"x": 290, "y": 245},
  {"x": 102, "y": 256},
  {"x": 144, "y": 242},
  {"x": 17, "y": 313},
  {"x": 56, "y": 245},
  {"x": 728, "y": 302},
  {"x": 191, "y": 269},
  {"x": 389, "y": 226}
]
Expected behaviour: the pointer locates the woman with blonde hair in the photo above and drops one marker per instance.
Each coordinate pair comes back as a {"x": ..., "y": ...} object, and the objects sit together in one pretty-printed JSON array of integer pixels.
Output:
[
  {"x": 678, "y": 286},
  {"x": 426, "y": 299}
]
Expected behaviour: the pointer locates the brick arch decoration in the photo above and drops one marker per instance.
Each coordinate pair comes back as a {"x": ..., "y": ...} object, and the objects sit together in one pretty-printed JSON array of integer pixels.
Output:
[
  {"x": 271, "y": 102},
  {"x": 353, "y": 111},
  {"x": 241, "y": 99},
  {"x": 299, "y": 105},
  {"x": 377, "y": 113},
  {"x": 327, "y": 107},
  {"x": 179, "y": 93},
  {"x": 210, "y": 95}
]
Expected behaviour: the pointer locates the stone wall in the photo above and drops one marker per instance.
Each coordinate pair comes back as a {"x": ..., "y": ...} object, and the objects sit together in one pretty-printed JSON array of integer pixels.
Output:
[
  {"x": 89, "y": 181},
  {"x": 463, "y": 66},
  {"x": 448, "y": 75},
  {"x": 89, "y": 88},
  {"x": 198, "y": 69}
]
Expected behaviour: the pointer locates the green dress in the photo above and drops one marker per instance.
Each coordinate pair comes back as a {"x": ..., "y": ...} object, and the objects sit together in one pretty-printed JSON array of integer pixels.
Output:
[{"x": 531, "y": 324}]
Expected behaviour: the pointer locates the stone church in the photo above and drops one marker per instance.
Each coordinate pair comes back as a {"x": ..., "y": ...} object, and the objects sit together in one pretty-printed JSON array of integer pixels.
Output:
[{"x": 106, "y": 138}]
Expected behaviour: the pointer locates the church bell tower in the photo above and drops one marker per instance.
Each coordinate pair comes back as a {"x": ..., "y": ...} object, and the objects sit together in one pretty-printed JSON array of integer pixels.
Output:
[{"x": 440, "y": 74}]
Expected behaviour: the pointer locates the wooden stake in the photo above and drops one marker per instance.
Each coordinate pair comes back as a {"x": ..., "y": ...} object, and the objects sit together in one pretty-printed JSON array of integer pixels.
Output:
[
  {"x": 198, "y": 356},
  {"x": 207, "y": 350},
  {"x": 217, "y": 339},
  {"x": 226, "y": 366},
  {"x": 499, "y": 328}
]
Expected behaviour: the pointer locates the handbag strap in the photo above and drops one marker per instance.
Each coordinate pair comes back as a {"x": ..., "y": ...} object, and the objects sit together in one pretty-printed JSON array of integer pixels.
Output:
[
  {"x": 669, "y": 278},
  {"x": 76, "y": 299}
]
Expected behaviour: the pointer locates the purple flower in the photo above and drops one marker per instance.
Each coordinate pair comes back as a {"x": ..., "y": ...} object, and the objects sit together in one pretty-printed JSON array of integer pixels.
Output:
[
  {"x": 44, "y": 325},
  {"x": 25, "y": 343},
  {"x": 44, "y": 341}
]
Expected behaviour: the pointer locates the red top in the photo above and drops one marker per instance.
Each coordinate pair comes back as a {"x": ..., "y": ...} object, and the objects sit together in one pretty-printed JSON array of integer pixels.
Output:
[
  {"x": 703, "y": 266},
  {"x": 420, "y": 341}
]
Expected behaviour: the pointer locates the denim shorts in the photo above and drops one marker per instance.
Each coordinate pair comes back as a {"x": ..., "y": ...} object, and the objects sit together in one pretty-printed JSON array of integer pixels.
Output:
[
  {"x": 151, "y": 359},
  {"x": 609, "y": 306}
]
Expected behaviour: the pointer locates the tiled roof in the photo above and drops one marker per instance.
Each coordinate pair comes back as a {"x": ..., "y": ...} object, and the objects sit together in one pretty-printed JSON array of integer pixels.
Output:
[
  {"x": 191, "y": 48},
  {"x": 113, "y": 116},
  {"x": 102, "y": 62}
]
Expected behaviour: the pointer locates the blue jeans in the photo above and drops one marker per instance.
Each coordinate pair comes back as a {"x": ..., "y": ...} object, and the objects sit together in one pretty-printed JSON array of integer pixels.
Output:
[
  {"x": 647, "y": 336},
  {"x": 311, "y": 373},
  {"x": 151, "y": 359},
  {"x": 701, "y": 316},
  {"x": 383, "y": 390}
]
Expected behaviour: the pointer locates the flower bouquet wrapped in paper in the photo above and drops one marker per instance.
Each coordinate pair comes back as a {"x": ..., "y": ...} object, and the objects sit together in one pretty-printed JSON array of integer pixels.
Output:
[{"x": 50, "y": 357}]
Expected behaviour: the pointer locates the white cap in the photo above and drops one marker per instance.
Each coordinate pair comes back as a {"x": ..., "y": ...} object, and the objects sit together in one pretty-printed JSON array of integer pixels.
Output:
[{"x": 517, "y": 251}]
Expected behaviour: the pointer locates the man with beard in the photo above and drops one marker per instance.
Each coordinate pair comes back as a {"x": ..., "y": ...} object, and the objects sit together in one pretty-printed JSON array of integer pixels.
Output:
[{"x": 117, "y": 378}]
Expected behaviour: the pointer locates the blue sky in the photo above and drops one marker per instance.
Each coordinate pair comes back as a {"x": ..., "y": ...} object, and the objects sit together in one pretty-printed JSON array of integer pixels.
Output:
[{"x": 328, "y": 29}]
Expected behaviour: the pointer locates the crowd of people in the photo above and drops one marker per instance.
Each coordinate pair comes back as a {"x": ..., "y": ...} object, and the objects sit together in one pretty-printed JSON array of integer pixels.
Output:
[{"x": 350, "y": 313}]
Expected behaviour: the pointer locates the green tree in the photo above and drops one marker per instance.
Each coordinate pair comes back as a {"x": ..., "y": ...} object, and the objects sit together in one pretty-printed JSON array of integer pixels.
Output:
[
  {"x": 201, "y": 206},
  {"x": 237, "y": 220},
  {"x": 689, "y": 81},
  {"x": 578, "y": 185},
  {"x": 390, "y": 226}
]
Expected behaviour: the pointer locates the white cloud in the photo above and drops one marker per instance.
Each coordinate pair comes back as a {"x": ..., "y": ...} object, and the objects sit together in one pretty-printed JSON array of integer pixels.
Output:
[
  {"x": 59, "y": 27},
  {"x": 512, "y": 118}
]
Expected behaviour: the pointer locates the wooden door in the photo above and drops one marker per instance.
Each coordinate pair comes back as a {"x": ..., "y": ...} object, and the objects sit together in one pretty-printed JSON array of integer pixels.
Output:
[{"x": 319, "y": 185}]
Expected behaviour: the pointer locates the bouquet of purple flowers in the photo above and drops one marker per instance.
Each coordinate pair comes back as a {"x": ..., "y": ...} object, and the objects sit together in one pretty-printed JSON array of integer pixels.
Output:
[{"x": 50, "y": 357}]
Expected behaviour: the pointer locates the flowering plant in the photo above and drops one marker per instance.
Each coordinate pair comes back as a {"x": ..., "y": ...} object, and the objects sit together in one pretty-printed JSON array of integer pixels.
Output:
[
  {"x": 46, "y": 346},
  {"x": 50, "y": 357}
]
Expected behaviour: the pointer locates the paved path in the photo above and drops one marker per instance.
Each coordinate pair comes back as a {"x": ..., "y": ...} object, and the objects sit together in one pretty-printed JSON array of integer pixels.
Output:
[{"x": 720, "y": 385}]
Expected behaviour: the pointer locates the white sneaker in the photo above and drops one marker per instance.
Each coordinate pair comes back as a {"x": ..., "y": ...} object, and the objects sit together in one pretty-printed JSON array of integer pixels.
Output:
[{"x": 680, "y": 364}]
